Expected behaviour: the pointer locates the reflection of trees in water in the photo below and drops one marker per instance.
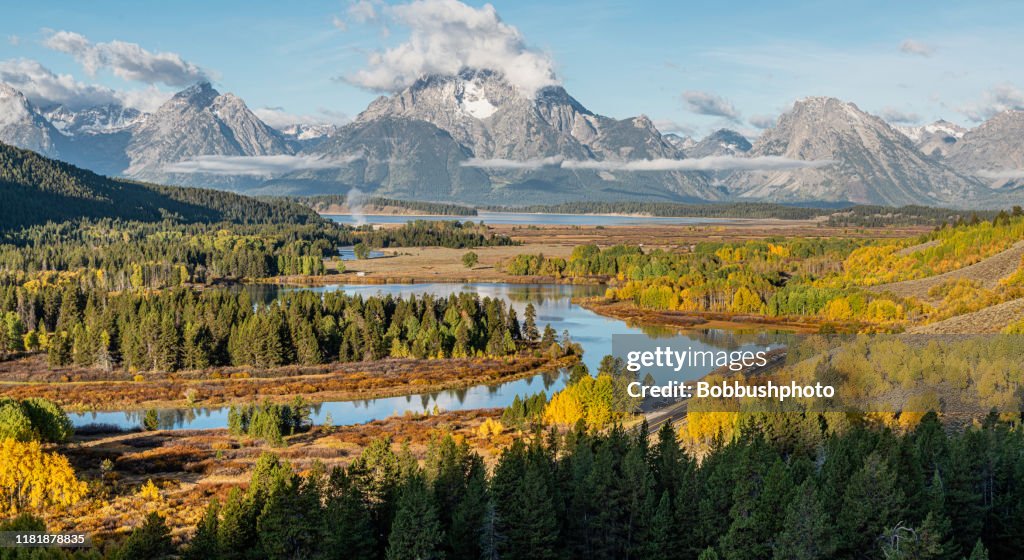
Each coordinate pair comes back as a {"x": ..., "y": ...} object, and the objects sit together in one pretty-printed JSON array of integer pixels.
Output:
[
  {"x": 168, "y": 418},
  {"x": 539, "y": 294},
  {"x": 553, "y": 376},
  {"x": 460, "y": 394},
  {"x": 658, "y": 331},
  {"x": 734, "y": 339}
]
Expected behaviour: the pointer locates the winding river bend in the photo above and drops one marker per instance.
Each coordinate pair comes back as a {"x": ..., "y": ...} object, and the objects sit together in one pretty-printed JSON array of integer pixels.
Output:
[{"x": 554, "y": 306}]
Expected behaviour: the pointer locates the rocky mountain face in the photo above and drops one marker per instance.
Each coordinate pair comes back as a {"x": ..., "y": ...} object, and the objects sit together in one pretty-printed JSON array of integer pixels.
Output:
[
  {"x": 681, "y": 143},
  {"x": 23, "y": 126},
  {"x": 475, "y": 138},
  {"x": 871, "y": 162},
  {"x": 305, "y": 136},
  {"x": 937, "y": 139},
  {"x": 722, "y": 142},
  {"x": 994, "y": 151},
  {"x": 198, "y": 121},
  {"x": 104, "y": 119},
  {"x": 498, "y": 146}
]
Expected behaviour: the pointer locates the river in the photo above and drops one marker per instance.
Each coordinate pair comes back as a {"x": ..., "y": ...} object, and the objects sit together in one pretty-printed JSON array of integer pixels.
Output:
[{"x": 554, "y": 306}]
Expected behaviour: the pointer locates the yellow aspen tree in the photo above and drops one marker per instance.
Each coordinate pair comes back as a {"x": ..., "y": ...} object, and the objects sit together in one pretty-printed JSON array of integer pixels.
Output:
[{"x": 31, "y": 479}]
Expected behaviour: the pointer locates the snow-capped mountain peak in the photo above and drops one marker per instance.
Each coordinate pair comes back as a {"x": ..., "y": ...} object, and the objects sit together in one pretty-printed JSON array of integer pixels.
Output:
[{"x": 102, "y": 119}]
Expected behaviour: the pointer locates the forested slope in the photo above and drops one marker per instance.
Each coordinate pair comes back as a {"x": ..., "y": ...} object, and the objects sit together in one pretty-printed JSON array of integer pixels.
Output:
[{"x": 35, "y": 189}]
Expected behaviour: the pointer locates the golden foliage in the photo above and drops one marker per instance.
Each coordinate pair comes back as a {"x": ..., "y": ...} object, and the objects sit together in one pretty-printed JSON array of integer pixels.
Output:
[
  {"x": 703, "y": 427},
  {"x": 31, "y": 479},
  {"x": 149, "y": 491},
  {"x": 490, "y": 427}
]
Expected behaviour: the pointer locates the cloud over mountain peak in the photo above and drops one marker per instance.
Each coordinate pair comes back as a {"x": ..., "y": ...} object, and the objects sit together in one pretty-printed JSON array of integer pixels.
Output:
[{"x": 446, "y": 37}]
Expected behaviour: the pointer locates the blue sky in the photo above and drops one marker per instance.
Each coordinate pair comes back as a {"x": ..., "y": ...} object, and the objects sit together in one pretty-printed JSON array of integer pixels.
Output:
[{"x": 690, "y": 66}]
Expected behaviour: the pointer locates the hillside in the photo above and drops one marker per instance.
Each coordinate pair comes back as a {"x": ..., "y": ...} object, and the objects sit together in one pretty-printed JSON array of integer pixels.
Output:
[
  {"x": 35, "y": 189},
  {"x": 987, "y": 273}
]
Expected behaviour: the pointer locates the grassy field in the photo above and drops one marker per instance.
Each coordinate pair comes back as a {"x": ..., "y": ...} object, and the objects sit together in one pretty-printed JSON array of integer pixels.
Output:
[{"x": 440, "y": 264}]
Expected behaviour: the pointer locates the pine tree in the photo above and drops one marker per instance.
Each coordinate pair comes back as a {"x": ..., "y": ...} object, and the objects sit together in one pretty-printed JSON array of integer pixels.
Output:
[
  {"x": 289, "y": 525},
  {"x": 757, "y": 499},
  {"x": 870, "y": 505},
  {"x": 416, "y": 532},
  {"x": 549, "y": 336},
  {"x": 203, "y": 545},
  {"x": 526, "y": 523},
  {"x": 530, "y": 332},
  {"x": 151, "y": 541},
  {"x": 979, "y": 552},
  {"x": 808, "y": 533},
  {"x": 236, "y": 532},
  {"x": 661, "y": 543},
  {"x": 348, "y": 531}
]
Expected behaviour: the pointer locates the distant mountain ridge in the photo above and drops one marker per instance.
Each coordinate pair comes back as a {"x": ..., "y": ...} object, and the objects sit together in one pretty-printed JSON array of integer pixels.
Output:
[
  {"x": 872, "y": 162},
  {"x": 435, "y": 138},
  {"x": 474, "y": 138},
  {"x": 198, "y": 121},
  {"x": 994, "y": 151}
]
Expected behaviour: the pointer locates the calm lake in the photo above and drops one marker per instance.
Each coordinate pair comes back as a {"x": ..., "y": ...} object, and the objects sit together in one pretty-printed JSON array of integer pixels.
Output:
[
  {"x": 525, "y": 219},
  {"x": 554, "y": 306}
]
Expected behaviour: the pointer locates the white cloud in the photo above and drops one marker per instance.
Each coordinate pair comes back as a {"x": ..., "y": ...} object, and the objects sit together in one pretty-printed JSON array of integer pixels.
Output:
[
  {"x": 666, "y": 126},
  {"x": 762, "y": 121},
  {"x": 256, "y": 166},
  {"x": 918, "y": 48},
  {"x": 1003, "y": 97},
  {"x": 706, "y": 103},
  {"x": 339, "y": 23},
  {"x": 711, "y": 163},
  {"x": 14, "y": 40},
  {"x": 447, "y": 36},
  {"x": 529, "y": 164},
  {"x": 362, "y": 11},
  {"x": 44, "y": 87},
  {"x": 277, "y": 117},
  {"x": 1002, "y": 174},
  {"x": 127, "y": 60},
  {"x": 896, "y": 116}
]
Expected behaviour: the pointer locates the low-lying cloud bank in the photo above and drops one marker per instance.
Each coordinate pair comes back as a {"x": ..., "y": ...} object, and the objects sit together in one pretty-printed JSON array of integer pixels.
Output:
[
  {"x": 711, "y": 163},
  {"x": 1002, "y": 174},
  {"x": 254, "y": 166}
]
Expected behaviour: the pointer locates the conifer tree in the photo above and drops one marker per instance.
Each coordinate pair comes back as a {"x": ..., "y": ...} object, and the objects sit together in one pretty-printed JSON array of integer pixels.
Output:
[
  {"x": 152, "y": 541},
  {"x": 203, "y": 545},
  {"x": 978, "y": 552},
  {"x": 530, "y": 332},
  {"x": 416, "y": 533},
  {"x": 807, "y": 530},
  {"x": 347, "y": 526}
]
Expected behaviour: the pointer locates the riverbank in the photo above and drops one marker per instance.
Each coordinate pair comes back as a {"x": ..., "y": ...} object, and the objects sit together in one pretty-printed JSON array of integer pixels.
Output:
[
  {"x": 632, "y": 315},
  {"x": 94, "y": 390}
]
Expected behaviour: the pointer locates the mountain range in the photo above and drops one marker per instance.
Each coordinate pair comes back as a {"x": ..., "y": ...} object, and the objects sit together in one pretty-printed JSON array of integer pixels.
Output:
[{"x": 475, "y": 138}]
